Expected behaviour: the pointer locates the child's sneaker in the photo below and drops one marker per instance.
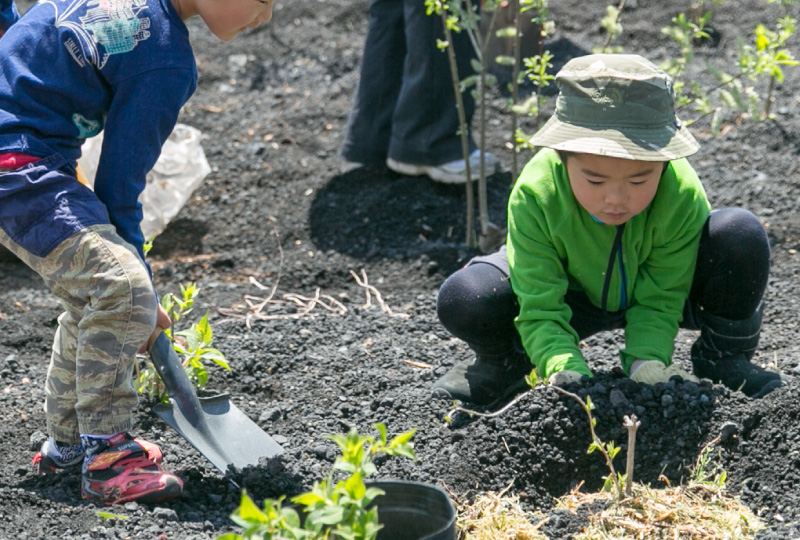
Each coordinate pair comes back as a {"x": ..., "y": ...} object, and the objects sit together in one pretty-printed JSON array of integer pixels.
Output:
[
  {"x": 54, "y": 456},
  {"x": 119, "y": 469}
]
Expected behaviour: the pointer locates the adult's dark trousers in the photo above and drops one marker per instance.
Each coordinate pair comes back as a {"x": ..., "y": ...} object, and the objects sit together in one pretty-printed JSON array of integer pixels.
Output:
[
  {"x": 477, "y": 304},
  {"x": 405, "y": 105}
]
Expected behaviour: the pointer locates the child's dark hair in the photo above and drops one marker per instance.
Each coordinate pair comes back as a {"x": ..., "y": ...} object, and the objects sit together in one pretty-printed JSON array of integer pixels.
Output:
[{"x": 564, "y": 154}]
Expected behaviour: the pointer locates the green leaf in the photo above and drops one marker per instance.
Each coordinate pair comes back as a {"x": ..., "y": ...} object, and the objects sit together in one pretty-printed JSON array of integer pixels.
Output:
[
  {"x": 308, "y": 499},
  {"x": 371, "y": 529},
  {"x": 290, "y": 517},
  {"x": 716, "y": 123},
  {"x": 406, "y": 451},
  {"x": 371, "y": 493},
  {"x": 248, "y": 512},
  {"x": 355, "y": 486},
  {"x": 403, "y": 438},
  {"x": 468, "y": 82},
  {"x": 205, "y": 330},
  {"x": 381, "y": 429},
  {"x": 608, "y": 484},
  {"x": 504, "y": 60},
  {"x": 111, "y": 515},
  {"x": 727, "y": 98},
  {"x": 736, "y": 94},
  {"x": 368, "y": 469},
  {"x": 329, "y": 515},
  {"x": 194, "y": 340},
  {"x": 507, "y": 32}
]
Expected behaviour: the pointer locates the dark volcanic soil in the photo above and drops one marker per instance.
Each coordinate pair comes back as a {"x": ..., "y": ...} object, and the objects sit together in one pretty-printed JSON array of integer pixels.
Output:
[{"x": 273, "y": 122}]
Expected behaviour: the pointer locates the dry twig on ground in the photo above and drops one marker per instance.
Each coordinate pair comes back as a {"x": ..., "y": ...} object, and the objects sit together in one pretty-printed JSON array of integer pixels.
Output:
[
  {"x": 252, "y": 307},
  {"x": 371, "y": 292}
]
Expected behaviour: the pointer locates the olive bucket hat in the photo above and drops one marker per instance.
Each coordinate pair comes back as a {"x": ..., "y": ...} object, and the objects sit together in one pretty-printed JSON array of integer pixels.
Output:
[{"x": 616, "y": 105}]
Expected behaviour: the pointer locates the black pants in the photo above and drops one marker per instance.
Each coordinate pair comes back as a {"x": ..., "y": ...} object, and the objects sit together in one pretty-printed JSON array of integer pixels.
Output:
[
  {"x": 477, "y": 304},
  {"x": 405, "y": 106}
]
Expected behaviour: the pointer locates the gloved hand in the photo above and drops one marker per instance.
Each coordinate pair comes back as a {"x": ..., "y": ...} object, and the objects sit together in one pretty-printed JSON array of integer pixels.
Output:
[
  {"x": 563, "y": 378},
  {"x": 654, "y": 371}
]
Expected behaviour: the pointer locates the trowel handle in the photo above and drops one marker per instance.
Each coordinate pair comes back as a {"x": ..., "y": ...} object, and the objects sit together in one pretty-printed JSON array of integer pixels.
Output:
[{"x": 171, "y": 371}]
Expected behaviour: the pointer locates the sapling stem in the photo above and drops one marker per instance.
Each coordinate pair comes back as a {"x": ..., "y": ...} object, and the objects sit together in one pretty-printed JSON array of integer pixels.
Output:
[
  {"x": 515, "y": 86},
  {"x": 611, "y": 35},
  {"x": 462, "y": 122},
  {"x": 768, "y": 101},
  {"x": 631, "y": 423},
  {"x": 597, "y": 443}
]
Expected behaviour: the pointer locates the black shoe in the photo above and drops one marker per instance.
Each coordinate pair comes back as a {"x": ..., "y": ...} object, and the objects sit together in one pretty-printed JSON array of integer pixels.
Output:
[
  {"x": 484, "y": 380},
  {"x": 737, "y": 373}
]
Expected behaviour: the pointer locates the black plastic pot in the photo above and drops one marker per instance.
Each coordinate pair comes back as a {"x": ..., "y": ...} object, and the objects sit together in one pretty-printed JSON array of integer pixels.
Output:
[{"x": 414, "y": 511}]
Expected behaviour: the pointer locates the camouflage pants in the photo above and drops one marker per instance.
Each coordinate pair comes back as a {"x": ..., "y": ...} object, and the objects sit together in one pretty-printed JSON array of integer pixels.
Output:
[{"x": 109, "y": 313}]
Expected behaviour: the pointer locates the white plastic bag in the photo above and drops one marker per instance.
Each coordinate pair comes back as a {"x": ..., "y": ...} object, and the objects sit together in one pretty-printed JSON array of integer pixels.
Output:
[{"x": 179, "y": 170}]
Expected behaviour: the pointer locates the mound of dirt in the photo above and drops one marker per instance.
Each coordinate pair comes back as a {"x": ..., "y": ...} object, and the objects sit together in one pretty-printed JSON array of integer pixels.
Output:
[{"x": 276, "y": 209}]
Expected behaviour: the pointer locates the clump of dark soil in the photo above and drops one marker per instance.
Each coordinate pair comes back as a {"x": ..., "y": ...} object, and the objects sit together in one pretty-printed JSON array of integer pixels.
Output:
[{"x": 272, "y": 105}]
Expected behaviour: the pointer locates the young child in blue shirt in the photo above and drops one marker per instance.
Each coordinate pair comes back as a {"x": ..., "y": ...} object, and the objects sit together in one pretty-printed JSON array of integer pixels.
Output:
[{"x": 71, "y": 68}]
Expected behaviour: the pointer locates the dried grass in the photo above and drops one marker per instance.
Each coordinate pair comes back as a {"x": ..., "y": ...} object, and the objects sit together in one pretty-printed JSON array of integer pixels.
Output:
[
  {"x": 495, "y": 516},
  {"x": 695, "y": 511}
]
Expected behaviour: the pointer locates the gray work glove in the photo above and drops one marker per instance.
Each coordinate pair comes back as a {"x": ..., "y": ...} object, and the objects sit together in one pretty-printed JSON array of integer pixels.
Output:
[
  {"x": 563, "y": 378},
  {"x": 655, "y": 371}
]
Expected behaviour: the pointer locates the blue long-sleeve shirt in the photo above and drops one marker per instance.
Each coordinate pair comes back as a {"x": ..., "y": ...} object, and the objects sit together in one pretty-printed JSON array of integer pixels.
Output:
[
  {"x": 8, "y": 14},
  {"x": 70, "y": 68}
]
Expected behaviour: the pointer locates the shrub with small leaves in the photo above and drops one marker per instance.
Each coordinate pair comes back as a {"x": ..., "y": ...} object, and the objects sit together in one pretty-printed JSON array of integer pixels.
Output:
[
  {"x": 760, "y": 61},
  {"x": 333, "y": 508}
]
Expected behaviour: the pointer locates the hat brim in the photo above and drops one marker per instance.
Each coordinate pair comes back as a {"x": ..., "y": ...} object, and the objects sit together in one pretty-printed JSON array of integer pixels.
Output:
[{"x": 657, "y": 144}]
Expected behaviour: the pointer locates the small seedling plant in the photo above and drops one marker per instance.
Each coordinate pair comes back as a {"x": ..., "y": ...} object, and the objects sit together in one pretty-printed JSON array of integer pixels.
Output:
[
  {"x": 193, "y": 345},
  {"x": 465, "y": 17},
  {"x": 334, "y": 508}
]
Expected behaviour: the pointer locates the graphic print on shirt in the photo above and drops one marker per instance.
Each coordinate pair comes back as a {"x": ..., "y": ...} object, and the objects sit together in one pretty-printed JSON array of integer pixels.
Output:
[
  {"x": 86, "y": 128},
  {"x": 102, "y": 27}
]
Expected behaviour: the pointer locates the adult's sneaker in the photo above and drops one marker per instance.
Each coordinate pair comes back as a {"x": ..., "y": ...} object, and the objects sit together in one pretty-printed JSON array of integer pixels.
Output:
[
  {"x": 454, "y": 172},
  {"x": 119, "y": 469},
  {"x": 55, "y": 456}
]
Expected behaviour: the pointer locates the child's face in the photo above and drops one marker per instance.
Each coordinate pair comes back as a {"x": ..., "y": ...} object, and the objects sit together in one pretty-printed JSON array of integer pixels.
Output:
[
  {"x": 228, "y": 18},
  {"x": 611, "y": 189}
]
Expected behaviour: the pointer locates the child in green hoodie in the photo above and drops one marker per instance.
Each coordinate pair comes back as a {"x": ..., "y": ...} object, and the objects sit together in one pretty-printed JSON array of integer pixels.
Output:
[{"x": 609, "y": 228}]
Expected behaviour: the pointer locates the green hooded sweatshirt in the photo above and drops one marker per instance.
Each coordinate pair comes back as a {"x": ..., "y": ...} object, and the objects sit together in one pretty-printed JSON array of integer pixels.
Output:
[{"x": 555, "y": 245}]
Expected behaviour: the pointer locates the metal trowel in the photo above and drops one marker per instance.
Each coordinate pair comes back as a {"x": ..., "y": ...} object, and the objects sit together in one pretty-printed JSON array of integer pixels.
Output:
[{"x": 213, "y": 425}]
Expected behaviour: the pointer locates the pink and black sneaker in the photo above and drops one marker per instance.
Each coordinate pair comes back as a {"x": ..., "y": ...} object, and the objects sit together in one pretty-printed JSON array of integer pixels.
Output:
[
  {"x": 119, "y": 469},
  {"x": 55, "y": 456}
]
